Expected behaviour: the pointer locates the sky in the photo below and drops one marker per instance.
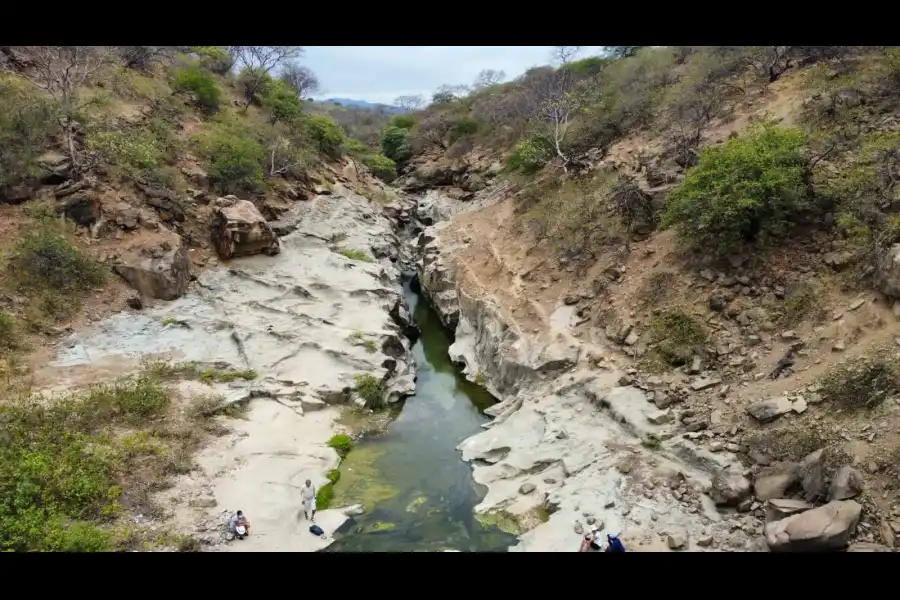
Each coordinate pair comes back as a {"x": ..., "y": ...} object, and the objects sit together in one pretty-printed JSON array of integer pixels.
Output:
[{"x": 381, "y": 73}]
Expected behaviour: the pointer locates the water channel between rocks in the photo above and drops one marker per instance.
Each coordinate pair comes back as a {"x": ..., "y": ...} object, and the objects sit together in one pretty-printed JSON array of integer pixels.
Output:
[{"x": 418, "y": 494}]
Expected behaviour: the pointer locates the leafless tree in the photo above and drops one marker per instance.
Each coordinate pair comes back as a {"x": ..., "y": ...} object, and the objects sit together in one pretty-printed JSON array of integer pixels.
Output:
[
  {"x": 301, "y": 79},
  {"x": 551, "y": 100},
  {"x": 61, "y": 71},
  {"x": 448, "y": 93},
  {"x": 487, "y": 78},
  {"x": 564, "y": 54},
  {"x": 259, "y": 61},
  {"x": 143, "y": 57},
  {"x": 432, "y": 131},
  {"x": 631, "y": 206},
  {"x": 409, "y": 103}
]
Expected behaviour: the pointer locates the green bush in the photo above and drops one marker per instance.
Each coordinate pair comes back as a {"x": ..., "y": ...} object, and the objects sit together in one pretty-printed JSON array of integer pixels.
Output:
[
  {"x": 341, "y": 443},
  {"x": 402, "y": 121},
  {"x": 201, "y": 85},
  {"x": 328, "y": 135},
  {"x": 462, "y": 128},
  {"x": 677, "y": 335},
  {"x": 133, "y": 152},
  {"x": 359, "y": 255},
  {"x": 281, "y": 101},
  {"x": 324, "y": 496},
  {"x": 370, "y": 389},
  {"x": 61, "y": 469},
  {"x": 215, "y": 58},
  {"x": 44, "y": 258},
  {"x": 395, "y": 144},
  {"x": 529, "y": 155},
  {"x": 27, "y": 123},
  {"x": 746, "y": 190},
  {"x": 382, "y": 167},
  {"x": 233, "y": 158}
]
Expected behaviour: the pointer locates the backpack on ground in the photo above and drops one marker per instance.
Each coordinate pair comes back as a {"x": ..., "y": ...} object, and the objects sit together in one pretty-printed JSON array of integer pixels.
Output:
[
  {"x": 615, "y": 544},
  {"x": 316, "y": 530}
]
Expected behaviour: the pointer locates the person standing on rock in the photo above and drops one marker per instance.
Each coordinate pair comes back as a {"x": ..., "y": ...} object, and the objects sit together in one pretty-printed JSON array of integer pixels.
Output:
[{"x": 308, "y": 500}]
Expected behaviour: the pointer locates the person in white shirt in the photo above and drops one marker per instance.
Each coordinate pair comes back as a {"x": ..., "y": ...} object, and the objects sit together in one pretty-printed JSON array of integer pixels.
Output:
[
  {"x": 239, "y": 525},
  {"x": 591, "y": 541},
  {"x": 308, "y": 500}
]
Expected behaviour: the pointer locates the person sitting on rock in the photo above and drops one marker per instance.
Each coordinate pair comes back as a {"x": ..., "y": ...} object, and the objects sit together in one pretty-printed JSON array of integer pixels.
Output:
[
  {"x": 614, "y": 544},
  {"x": 591, "y": 541},
  {"x": 239, "y": 525},
  {"x": 308, "y": 501}
]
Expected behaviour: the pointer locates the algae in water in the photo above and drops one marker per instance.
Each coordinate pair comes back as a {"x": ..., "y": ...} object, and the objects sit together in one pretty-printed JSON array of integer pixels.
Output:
[{"x": 361, "y": 482}]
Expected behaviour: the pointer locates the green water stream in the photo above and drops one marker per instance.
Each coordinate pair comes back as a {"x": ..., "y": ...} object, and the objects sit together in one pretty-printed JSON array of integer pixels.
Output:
[{"x": 417, "y": 492}]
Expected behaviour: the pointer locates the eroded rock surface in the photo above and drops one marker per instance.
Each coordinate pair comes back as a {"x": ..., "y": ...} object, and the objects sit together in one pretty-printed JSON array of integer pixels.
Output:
[
  {"x": 303, "y": 320},
  {"x": 158, "y": 268}
]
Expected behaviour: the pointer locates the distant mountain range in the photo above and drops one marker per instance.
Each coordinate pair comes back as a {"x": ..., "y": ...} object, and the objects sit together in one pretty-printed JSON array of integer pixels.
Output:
[{"x": 362, "y": 104}]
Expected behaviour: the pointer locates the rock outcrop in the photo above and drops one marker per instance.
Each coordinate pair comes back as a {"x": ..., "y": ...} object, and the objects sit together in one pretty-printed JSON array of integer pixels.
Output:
[
  {"x": 572, "y": 432},
  {"x": 160, "y": 269},
  {"x": 828, "y": 527},
  {"x": 240, "y": 230},
  {"x": 308, "y": 321}
]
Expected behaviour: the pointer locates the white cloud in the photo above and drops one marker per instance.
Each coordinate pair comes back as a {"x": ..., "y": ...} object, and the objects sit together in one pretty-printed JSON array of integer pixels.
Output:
[{"x": 381, "y": 73}]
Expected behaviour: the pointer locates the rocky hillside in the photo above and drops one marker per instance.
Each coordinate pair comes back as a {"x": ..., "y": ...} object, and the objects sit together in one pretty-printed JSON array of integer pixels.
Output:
[
  {"x": 128, "y": 175},
  {"x": 716, "y": 228}
]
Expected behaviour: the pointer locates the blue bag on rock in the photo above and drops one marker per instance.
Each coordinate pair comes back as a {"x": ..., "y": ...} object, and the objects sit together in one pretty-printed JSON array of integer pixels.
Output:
[{"x": 316, "y": 530}]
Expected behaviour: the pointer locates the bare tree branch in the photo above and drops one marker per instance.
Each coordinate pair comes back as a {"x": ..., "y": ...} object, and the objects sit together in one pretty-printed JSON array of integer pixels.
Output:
[
  {"x": 61, "y": 71},
  {"x": 259, "y": 61},
  {"x": 487, "y": 78},
  {"x": 563, "y": 55},
  {"x": 409, "y": 103},
  {"x": 301, "y": 79}
]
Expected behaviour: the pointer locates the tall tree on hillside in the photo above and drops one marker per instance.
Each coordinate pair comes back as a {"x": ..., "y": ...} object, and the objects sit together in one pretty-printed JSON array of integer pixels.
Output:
[
  {"x": 409, "y": 103},
  {"x": 623, "y": 51},
  {"x": 61, "y": 71},
  {"x": 487, "y": 78},
  {"x": 448, "y": 93},
  {"x": 258, "y": 61},
  {"x": 564, "y": 54},
  {"x": 301, "y": 79}
]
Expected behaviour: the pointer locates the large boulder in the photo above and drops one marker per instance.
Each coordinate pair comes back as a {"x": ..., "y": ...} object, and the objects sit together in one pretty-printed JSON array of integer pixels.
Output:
[
  {"x": 730, "y": 487},
  {"x": 775, "y": 481},
  {"x": 157, "y": 270},
  {"x": 828, "y": 527},
  {"x": 240, "y": 230},
  {"x": 811, "y": 473},
  {"x": 847, "y": 484}
]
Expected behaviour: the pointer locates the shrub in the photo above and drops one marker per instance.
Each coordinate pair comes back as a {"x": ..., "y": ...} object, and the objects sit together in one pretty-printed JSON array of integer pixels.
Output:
[
  {"x": 354, "y": 254},
  {"x": 46, "y": 259},
  {"x": 328, "y": 135},
  {"x": 132, "y": 152},
  {"x": 370, "y": 389},
  {"x": 281, "y": 101},
  {"x": 677, "y": 335},
  {"x": 381, "y": 166},
  {"x": 341, "y": 443},
  {"x": 27, "y": 123},
  {"x": 402, "y": 121},
  {"x": 233, "y": 158},
  {"x": 215, "y": 58},
  {"x": 462, "y": 128},
  {"x": 864, "y": 383},
  {"x": 201, "y": 86},
  {"x": 746, "y": 190},
  {"x": 395, "y": 144},
  {"x": 60, "y": 469},
  {"x": 529, "y": 155},
  {"x": 325, "y": 496},
  {"x": 9, "y": 334}
]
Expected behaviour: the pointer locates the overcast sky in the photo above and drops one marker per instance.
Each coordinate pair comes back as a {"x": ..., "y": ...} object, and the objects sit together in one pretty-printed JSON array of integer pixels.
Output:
[{"x": 381, "y": 73}]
